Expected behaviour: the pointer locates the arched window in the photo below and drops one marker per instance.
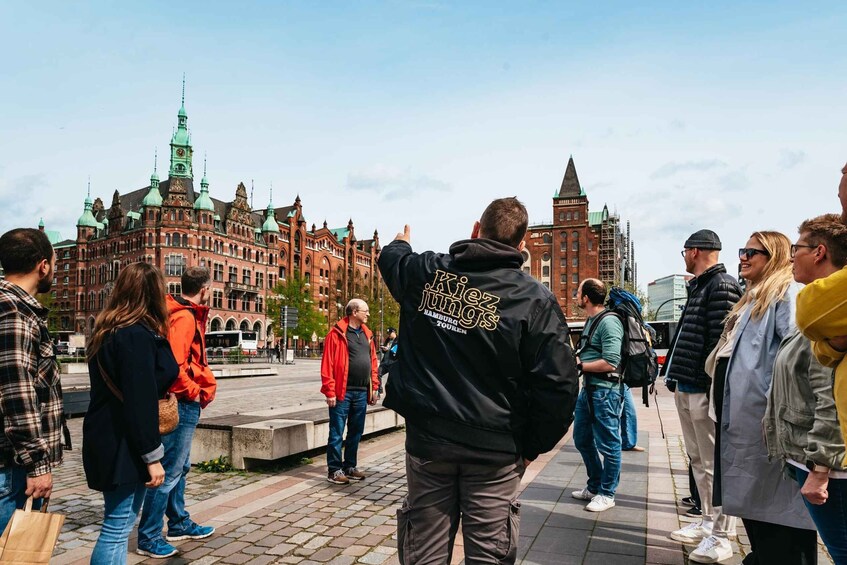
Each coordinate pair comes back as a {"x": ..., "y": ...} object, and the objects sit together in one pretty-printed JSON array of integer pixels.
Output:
[
  {"x": 230, "y": 325},
  {"x": 216, "y": 325},
  {"x": 546, "y": 238}
]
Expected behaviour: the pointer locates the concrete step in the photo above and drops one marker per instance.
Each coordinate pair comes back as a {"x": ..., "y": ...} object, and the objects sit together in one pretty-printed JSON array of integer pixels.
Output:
[{"x": 249, "y": 438}]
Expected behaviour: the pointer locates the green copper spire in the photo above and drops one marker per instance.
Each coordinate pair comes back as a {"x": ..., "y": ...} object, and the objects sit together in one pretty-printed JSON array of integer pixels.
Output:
[
  {"x": 153, "y": 196},
  {"x": 87, "y": 220},
  {"x": 204, "y": 202},
  {"x": 181, "y": 150},
  {"x": 154, "y": 178},
  {"x": 41, "y": 223},
  {"x": 270, "y": 224},
  {"x": 204, "y": 181}
]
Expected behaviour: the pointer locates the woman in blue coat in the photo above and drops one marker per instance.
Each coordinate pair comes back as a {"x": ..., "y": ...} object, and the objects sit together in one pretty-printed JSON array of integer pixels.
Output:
[
  {"x": 753, "y": 487},
  {"x": 121, "y": 446}
]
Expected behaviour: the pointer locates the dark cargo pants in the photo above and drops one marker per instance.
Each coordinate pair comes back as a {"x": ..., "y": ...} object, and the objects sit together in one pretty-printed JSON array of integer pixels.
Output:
[{"x": 441, "y": 494}]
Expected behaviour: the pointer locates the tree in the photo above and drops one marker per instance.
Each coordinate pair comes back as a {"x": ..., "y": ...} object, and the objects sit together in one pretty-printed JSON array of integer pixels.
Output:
[
  {"x": 46, "y": 299},
  {"x": 294, "y": 292},
  {"x": 390, "y": 310}
]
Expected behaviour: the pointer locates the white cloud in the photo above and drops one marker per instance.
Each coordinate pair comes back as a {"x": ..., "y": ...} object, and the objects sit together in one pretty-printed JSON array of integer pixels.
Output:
[
  {"x": 788, "y": 159},
  {"x": 674, "y": 167},
  {"x": 394, "y": 184}
]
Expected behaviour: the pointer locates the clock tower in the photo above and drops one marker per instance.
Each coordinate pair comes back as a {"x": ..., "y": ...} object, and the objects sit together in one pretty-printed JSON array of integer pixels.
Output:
[{"x": 181, "y": 150}]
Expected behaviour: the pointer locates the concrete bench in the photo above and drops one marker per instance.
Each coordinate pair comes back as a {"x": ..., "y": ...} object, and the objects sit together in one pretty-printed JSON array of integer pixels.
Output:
[{"x": 246, "y": 438}]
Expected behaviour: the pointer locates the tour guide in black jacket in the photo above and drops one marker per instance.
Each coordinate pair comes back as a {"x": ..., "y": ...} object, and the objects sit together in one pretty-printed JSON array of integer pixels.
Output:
[{"x": 486, "y": 380}]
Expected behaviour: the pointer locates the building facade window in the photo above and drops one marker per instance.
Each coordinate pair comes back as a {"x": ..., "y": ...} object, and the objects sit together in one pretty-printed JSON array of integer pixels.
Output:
[{"x": 174, "y": 265}]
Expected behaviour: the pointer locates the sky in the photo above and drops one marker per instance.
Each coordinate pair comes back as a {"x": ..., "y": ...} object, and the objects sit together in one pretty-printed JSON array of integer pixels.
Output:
[{"x": 679, "y": 116}]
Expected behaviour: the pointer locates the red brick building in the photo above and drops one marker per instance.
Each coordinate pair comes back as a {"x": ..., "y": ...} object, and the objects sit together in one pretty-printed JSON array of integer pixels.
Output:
[
  {"x": 578, "y": 244},
  {"x": 171, "y": 225}
]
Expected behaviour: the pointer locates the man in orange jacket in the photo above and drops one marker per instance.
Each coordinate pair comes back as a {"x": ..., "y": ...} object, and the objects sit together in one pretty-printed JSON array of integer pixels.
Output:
[
  {"x": 194, "y": 388},
  {"x": 349, "y": 382}
]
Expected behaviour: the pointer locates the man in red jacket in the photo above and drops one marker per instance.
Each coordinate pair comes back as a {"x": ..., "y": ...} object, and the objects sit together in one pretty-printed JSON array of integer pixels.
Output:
[
  {"x": 349, "y": 382},
  {"x": 194, "y": 389}
]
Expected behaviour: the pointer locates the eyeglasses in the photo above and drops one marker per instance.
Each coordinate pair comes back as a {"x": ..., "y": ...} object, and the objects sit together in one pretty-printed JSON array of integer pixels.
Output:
[
  {"x": 748, "y": 252},
  {"x": 797, "y": 246},
  {"x": 684, "y": 251}
]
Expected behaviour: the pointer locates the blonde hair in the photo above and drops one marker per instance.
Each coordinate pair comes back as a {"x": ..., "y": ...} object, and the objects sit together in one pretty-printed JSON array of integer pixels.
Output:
[
  {"x": 138, "y": 297},
  {"x": 776, "y": 277}
]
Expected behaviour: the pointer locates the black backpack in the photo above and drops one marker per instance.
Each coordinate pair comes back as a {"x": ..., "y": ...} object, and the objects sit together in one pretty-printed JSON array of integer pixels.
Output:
[{"x": 639, "y": 362}]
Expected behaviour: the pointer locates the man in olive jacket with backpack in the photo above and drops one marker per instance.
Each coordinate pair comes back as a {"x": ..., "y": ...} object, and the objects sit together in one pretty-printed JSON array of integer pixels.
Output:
[{"x": 486, "y": 381}]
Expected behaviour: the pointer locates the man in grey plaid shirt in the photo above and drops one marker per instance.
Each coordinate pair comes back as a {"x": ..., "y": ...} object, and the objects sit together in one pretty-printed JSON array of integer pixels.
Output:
[{"x": 30, "y": 392}]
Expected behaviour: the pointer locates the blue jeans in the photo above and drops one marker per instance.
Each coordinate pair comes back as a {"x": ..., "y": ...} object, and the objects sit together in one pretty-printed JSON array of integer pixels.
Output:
[
  {"x": 121, "y": 510},
  {"x": 629, "y": 421},
  {"x": 12, "y": 497},
  {"x": 830, "y": 517},
  {"x": 349, "y": 412},
  {"x": 169, "y": 498},
  {"x": 600, "y": 435}
]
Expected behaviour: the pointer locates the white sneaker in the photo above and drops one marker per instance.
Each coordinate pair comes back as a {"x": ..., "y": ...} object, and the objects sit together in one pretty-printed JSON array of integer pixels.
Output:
[
  {"x": 600, "y": 503},
  {"x": 583, "y": 494},
  {"x": 711, "y": 550},
  {"x": 692, "y": 533}
]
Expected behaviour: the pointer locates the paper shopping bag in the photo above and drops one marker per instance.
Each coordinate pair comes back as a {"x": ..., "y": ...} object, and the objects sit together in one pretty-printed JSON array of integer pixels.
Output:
[{"x": 30, "y": 537}]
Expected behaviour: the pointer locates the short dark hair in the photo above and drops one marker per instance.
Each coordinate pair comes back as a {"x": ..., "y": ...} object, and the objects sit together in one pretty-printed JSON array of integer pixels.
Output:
[
  {"x": 594, "y": 290},
  {"x": 194, "y": 279},
  {"x": 828, "y": 230},
  {"x": 504, "y": 220},
  {"x": 22, "y": 249}
]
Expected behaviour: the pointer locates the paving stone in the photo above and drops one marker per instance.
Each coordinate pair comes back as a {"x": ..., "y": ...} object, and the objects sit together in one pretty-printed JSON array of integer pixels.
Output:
[
  {"x": 326, "y": 554},
  {"x": 373, "y": 558},
  {"x": 355, "y": 550},
  {"x": 230, "y": 548},
  {"x": 281, "y": 549},
  {"x": 216, "y": 542},
  {"x": 343, "y": 560},
  {"x": 265, "y": 540},
  {"x": 238, "y": 558},
  {"x": 317, "y": 542},
  {"x": 301, "y": 538},
  {"x": 209, "y": 560}
]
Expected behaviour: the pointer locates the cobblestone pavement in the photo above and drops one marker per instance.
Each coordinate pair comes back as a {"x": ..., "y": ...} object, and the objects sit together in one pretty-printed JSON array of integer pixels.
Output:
[{"x": 295, "y": 516}]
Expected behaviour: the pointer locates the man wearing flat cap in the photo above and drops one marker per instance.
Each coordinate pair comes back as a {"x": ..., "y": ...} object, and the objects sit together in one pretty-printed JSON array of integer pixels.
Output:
[{"x": 711, "y": 295}]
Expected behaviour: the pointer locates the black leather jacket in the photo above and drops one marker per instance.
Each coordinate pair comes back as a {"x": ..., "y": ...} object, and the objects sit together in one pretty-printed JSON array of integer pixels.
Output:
[
  {"x": 486, "y": 361},
  {"x": 710, "y": 298}
]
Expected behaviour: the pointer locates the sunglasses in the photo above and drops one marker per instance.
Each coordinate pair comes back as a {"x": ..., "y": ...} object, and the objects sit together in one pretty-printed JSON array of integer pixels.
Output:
[{"x": 748, "y": 252}]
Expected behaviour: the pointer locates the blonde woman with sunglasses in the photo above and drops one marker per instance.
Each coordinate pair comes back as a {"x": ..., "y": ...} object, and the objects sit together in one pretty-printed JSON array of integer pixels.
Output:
[{"x": 752, "y": 486}]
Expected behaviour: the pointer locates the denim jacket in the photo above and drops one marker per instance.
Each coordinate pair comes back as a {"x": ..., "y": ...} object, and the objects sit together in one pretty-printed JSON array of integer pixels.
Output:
[{"x": 800, "y": 421}]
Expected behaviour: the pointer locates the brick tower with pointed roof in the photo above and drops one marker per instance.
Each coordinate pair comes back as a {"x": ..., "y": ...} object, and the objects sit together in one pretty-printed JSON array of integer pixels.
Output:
[{"x": 575, "y": 245}]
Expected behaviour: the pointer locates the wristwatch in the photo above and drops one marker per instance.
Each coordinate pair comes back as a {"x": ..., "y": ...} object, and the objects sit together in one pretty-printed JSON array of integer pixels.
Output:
[
  {"x": 579, "y": 366},
  {"x": 815, "y": 468}
]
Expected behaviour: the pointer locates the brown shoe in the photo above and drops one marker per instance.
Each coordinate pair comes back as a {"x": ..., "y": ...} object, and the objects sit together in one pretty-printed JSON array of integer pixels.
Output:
[
  {"x": 337, "y": 477},
  {"x": 354, "y": 474}
]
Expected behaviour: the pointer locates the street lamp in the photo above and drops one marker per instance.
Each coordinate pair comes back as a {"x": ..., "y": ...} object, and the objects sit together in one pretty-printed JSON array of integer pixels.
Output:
[{"x": 656, "y": 312}]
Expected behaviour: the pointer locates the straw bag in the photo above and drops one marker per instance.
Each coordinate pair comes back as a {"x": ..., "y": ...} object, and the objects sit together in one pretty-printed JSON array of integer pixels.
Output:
[{"x": 168, "y": 406}]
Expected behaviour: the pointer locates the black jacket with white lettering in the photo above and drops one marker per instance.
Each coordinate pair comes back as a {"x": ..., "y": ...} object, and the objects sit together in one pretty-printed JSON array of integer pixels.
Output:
[{"x": 485, "y": 360}]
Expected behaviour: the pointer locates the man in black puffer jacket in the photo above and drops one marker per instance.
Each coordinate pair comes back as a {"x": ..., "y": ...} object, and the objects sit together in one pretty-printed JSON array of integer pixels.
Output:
[
  {"x": 486, "y": 380},
  {"x": 711, "y": 295}
]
